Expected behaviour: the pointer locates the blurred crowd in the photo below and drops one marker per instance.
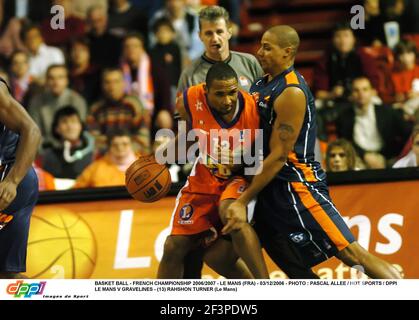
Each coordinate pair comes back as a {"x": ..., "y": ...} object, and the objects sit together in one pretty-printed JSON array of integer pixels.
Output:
[{"x": 101, "y": 87}]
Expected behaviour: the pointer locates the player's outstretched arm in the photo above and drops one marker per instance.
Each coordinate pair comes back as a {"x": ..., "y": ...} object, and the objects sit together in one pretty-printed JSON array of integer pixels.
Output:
[
  {"x": 15, "y": 118},
  {"x": 290, "y": 108}
]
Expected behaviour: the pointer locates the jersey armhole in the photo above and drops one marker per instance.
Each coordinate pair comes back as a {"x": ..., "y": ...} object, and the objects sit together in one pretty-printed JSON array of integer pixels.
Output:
[{"x": 188, "y": 110}]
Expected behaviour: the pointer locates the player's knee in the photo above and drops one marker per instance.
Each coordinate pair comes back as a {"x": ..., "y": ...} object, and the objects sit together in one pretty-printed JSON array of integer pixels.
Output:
[{"x": 175, "y": 248}]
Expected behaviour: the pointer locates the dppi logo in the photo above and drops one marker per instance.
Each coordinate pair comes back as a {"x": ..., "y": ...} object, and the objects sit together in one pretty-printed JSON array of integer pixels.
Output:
[{"x": 27, "y": 290}]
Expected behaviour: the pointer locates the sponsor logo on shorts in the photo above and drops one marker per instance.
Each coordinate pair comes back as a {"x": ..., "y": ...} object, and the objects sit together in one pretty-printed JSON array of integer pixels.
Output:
[
  {"x": 21, "y": 289},
  {"x": 185, "y": 214},
  {"x": 298, "y": 237},
  {"x": 4, "y": 220}
]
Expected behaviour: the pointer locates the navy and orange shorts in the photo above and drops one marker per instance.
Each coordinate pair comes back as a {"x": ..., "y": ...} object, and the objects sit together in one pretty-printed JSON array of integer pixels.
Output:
[
  {"x": 304, "y": 215},
  {"x": 197, "y": 212}
]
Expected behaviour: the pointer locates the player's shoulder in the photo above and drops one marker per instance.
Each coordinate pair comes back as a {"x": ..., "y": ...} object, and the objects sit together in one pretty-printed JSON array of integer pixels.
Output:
[{"x": 4, "y": 85}]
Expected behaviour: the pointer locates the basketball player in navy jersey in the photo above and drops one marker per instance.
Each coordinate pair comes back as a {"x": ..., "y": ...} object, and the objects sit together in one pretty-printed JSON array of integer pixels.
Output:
[
  {"x": 19, "y": 142},
  {"x": 294, "y": 207}
]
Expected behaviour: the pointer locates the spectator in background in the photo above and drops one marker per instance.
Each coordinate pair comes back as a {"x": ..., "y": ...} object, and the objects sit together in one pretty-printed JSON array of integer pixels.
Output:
[
  {"x": 117, "y": 111},
  {"x": 373, "y": 34},
  {"x": 41, "y": 56},
  {"x": 74, "y": 27},
  {"x": 147, "y": 6},
  {"x": 84, "y": 76},
  {"x": 378, "y": 132},
  {"x": 341, "y": 156},
  {"x": 74, "y": 149},
  {"x": 105, "y": 48},
  {"x": 125, "y": 18},
  {"x": 334, "y": 73},
  {"x": 34, "y": 11},
  {"x": 46, "y": 181},
  {"x": 185, "y": 22},
  {"x": 136, "y": 66},
  {"x": 393, "y": 10},
  {"x": 166, "y": 62},
  {"x": 406, "y": 77},
  {"x": 14, "y": 15},
  {"x": 43, "y": 106},
  {"x": 21, "y": 82},
  {"x": 81, "y": 7},
  {"x": 412, "y": 158},
  {"x": 110, "y": 169}
]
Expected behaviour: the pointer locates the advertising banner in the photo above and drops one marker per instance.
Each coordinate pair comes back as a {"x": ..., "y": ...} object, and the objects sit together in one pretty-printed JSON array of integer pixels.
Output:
[{"x": 124, "y": 238}]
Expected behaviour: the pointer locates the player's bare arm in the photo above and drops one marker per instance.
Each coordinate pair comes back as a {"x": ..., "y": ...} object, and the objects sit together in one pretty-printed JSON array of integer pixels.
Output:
[
  {"x": 180, "y": 115},
  {"x": 15, "y": 118},
  {"x": 290, "y": 108}
]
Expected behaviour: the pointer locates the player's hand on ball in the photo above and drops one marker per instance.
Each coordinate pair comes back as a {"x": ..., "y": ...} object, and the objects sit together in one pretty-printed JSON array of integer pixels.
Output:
[
  {"x": 236, "y": 217},
  {"x": 7, "y": 193}
]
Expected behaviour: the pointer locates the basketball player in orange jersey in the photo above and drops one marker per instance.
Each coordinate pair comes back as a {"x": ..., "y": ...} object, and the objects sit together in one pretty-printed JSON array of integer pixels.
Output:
[{"x": 212, "y": 187}]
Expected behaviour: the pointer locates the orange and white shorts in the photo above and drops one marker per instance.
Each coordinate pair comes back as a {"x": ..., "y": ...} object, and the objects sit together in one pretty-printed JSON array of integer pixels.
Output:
[{"x": 197, "y": 212}]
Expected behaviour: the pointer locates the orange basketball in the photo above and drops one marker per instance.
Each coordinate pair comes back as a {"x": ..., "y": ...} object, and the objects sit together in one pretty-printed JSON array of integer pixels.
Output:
[{"x": 146, "y": 180}]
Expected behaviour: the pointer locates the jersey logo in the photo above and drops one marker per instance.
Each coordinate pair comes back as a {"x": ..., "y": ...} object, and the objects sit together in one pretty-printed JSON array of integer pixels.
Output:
[
  {"x": 198, "y": 106},
  {"x": 185, "y": 214}
]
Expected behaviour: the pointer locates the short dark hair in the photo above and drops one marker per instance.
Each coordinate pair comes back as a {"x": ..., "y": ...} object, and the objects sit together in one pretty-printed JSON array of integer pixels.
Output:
[
  {"x": 29, "y": 27},
  {"x": 109, "y": 70},
  {"x": 362, "y": 77},
  {"x": 118, "y": 132},
  {"x": 65, "y": 111},
  {"x": 405, "y": 46},
  {"x": 55, "y": 66},
  {"x": 81, "y": 40},
  {"x": 16, "y": 52},
  {"x": 135, "y": 35},
  {"x": 220, "y": 71},
  {"x": 163, "y": 21},
  {"x": 342, "y": 26},
  {"x": 213, "y": 13}
]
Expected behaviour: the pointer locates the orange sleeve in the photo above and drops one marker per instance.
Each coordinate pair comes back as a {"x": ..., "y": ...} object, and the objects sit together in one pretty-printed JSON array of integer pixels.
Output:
[
  {"x": 85, "y": 179},
  {"x": 49, "y": 181}
]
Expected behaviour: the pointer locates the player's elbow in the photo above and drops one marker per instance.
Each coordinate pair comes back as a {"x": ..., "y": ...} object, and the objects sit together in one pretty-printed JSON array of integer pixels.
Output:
[{"x": 35, "y": 133}]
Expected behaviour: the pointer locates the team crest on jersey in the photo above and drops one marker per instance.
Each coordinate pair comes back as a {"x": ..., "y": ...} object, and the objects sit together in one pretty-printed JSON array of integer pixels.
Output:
[{"x": 185, "y": 214}]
